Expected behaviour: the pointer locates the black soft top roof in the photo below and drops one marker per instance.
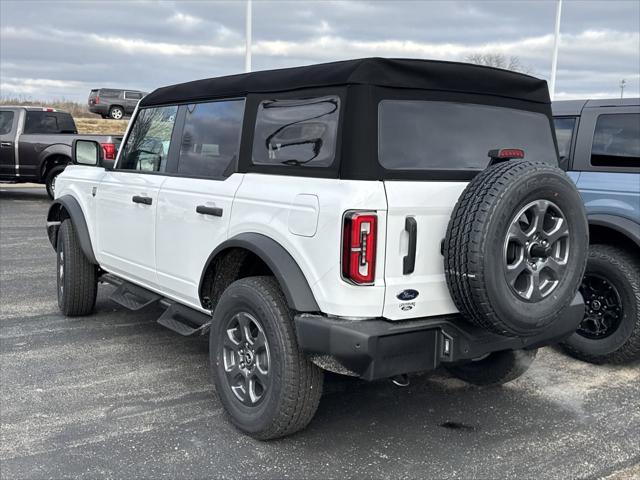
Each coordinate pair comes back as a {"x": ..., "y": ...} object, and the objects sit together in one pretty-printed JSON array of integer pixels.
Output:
[{"x": 384, "y": 72}]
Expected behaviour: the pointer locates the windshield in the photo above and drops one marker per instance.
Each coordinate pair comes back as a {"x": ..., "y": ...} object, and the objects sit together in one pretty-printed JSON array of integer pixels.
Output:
[{"x": 428, "y": 135}]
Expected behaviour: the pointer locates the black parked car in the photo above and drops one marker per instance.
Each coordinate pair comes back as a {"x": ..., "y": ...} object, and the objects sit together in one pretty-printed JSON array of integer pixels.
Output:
[
  {"x": 114, "y": 103},
  {"x": 35, "y": 144}
]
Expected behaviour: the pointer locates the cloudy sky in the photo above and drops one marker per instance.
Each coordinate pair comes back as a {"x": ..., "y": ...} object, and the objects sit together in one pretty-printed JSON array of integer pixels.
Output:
[{"x": 53, "y": 49}]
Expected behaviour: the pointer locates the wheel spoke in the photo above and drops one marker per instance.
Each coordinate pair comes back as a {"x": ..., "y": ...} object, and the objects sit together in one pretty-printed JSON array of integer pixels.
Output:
[
  {"x": 557, "y": 266},
  {"x": 560, "y": 230},
  {"x": 514, "y": 271},
  {"x": 535, "y": 287},
  {"x": 243, "y": 322},
  {"x": 515, "y": 233},
  {"x": 539, "y": 210}
]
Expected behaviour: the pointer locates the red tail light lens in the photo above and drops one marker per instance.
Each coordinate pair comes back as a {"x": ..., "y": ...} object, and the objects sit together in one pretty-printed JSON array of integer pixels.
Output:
[
  {"x": 109, "y": 150},
  {"x": 507, "y": 153},
  {"x": 359, "y": 238},
  {"x": 97, "y": 100}
]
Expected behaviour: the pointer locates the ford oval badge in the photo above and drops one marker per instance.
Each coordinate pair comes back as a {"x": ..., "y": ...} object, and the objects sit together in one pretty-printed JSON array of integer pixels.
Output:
[{"x": 407, "y": 295}]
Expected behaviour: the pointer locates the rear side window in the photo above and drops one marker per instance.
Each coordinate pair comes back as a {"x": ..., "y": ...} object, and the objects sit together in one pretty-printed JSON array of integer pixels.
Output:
[
  {"x": 211, "y": 139},
  {"x": 133, "y": 95},
  {"x": 6, "y": 121},
  {"x": 296, "y": 132},
  {"x": 108, "y": 92},
  {"x": 48, "y": 122},
  {"x": 147, "y": 146},
  {"x": 616, "y": 141},
  {"x": 429, "y": 135}
]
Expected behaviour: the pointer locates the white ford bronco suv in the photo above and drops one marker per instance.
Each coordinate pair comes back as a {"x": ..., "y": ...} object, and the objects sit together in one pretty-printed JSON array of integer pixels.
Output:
[{"x": 372, "y": 217}]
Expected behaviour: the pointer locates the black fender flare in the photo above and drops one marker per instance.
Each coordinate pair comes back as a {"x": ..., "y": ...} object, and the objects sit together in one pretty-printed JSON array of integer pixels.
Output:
[
  {"x": 294, "y": 285},
  {"x": 626, "y": 227},
  {"x": 56, "y": 150},
  {"x": 74, "y": 212}
]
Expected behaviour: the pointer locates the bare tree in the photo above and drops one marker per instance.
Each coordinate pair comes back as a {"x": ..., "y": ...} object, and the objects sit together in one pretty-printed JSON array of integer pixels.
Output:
[{"x": 500, "y": 61}]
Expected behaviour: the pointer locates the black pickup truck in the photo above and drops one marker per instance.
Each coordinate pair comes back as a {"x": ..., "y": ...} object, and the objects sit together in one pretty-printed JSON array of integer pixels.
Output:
[{"x": 35, "y": 144}]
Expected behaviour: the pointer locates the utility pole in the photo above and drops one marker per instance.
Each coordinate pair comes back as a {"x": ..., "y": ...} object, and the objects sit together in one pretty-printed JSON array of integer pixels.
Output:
[
  {"x": 554, "y": 59},
  {"x": 623, "y": 83},
  {"x": 247, "y": 52}
]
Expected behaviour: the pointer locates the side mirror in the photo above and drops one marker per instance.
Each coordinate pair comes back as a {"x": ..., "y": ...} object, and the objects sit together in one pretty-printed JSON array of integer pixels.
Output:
[{"x": 86, "y": 152}]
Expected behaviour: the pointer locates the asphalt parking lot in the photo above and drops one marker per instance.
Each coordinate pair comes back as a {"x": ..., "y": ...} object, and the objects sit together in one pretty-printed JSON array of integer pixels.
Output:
[{"x": 116, "y": 395}]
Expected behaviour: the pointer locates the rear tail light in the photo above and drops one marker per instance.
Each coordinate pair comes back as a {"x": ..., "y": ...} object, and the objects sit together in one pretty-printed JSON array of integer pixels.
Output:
[
  {"x": 359, "y": 238},
  {"x": 96, "y": 101},
  {"x": 109, "y": 150}
]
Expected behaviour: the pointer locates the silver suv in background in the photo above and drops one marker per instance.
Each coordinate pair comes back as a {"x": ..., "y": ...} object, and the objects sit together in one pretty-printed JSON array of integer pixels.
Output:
[{"x": 114, "y": 103}]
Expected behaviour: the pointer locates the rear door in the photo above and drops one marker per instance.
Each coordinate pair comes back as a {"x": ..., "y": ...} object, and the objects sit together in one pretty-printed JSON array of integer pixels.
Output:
[
  {"x": 8, "y": 132},
  {"x": 608, "y": 157},
  {"x": 127, "y": 197},
  {"x": 131, "y": 99},
  {"x": 429, "y": 150},
  {"x": 194, "y": 206}
]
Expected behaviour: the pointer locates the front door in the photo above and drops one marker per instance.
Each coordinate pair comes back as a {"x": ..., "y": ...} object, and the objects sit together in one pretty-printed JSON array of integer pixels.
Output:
[
  {"x": 8, "y": 126},
  {"x": 194, "y": 208},
  {"x": 127, "y": 198}
]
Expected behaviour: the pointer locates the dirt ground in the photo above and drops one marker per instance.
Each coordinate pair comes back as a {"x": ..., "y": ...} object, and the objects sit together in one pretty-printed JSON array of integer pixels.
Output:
[{"x": 101, "y": 126}]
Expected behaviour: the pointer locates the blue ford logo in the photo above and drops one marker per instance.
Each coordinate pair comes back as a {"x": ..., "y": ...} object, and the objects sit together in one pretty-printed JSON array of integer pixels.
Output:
[{"x": 407, "y": 295}]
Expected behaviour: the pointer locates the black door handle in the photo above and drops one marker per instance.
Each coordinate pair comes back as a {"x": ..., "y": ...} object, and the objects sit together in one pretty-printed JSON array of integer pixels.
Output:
[
  {"x": 215, "y": 211},
  {"x": 409, "y": 261},
  {"x": 141, "y": 199}
]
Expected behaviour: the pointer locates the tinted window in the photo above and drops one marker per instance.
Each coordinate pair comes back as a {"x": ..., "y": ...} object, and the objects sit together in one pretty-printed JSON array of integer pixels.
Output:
[
  {"x": 133, "y": 95},
  {"x": 211, "y": 138},
  {"x": 616, "y": 141},
  {"x": 6, "y": 121},
  {"x": 108, "y": 92},
  {"x": 296, "y": 132},
  {"x": 564, "y": 135},
  {"x": 423, "y": 135},
  {"x": 148, "y": 142},
  {"x": 49, "y": 122}
]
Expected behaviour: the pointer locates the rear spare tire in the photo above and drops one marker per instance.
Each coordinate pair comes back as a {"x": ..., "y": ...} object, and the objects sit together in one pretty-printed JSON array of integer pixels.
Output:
[{"x": 516, "y": 247}]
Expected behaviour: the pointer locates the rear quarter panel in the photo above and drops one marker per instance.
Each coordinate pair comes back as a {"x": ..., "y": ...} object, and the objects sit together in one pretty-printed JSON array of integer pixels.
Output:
[
  {"x": 304, "y": 215},
  {"x": 611, "y": 193}
]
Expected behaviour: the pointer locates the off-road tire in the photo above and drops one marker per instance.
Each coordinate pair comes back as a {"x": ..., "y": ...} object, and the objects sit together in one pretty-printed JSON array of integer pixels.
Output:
[
  {"x": 113, "y": 112},
  {"x": 77, "y": 281},
  {"x": 622, "y": 269},
  {"x": 293, "y": 396},
  {"x": 496, "y": 369},
  {"x": 50, "y": 179},
  {"x": 475, "y": 239}
]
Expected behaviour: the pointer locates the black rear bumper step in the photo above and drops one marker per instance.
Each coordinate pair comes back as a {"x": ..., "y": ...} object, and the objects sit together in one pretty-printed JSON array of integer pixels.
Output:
[{"x": 378, "y": 348}]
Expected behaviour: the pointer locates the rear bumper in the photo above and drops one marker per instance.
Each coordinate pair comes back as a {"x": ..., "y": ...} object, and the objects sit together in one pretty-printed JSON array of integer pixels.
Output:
[
  {"x": 377, "y": 348},
  {"x": 100, "y": 109}
]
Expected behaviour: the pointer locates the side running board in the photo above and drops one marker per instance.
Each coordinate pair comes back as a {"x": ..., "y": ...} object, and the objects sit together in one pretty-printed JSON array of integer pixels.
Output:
[
  {"x": 177, "y": 317},
  {"x": 133, "y": 297},
  {"x": 185, "y": 321}
]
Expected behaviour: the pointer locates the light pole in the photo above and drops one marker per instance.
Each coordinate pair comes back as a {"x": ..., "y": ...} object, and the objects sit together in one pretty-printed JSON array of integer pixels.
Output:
[
  {"x": 247, "y": 51},
  {"x": 554, "y": 59},
  {"x": 623, "y": 83}
]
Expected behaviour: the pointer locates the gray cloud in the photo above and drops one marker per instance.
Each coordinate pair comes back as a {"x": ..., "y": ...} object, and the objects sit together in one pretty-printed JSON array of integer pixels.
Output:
[{"x": 62, "y": 49}]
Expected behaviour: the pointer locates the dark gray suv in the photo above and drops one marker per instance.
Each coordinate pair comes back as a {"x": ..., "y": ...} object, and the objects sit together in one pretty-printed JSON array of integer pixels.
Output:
[{"x": 114, "y": 103}]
